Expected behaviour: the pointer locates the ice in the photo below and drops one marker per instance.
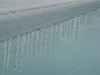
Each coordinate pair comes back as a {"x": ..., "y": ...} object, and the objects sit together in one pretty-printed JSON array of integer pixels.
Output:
[
  {"x": 53, "y": 37},
  {"x": 35, "y": 45},
  {"x": 77, "y": 27},
  {"x": 48, "y": 41},
  {"x": 45, "y": 38},
  {"x": 72, "y": 26},
  {"x": 22, "y": 44},
  {"x": 4, "y": 56},
  {"x": 58, "y": 31},
  {"x": 68, "y": 28},
  {"x": 39, "y": 39},
  {"x": 17, "y": 41},
  {"x": 28, "y": 42},
  {"x": 8, "y": 54},
  {"x": 63, "y": 29}
]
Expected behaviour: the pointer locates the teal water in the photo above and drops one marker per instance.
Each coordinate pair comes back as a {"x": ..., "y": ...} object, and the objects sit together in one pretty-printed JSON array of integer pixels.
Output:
[{"x": 71, "y": 57}]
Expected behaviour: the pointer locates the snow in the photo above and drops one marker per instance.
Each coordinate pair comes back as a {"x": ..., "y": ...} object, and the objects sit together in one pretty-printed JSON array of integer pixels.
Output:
[
  {"x": 21, "y": 22},
  {"x": 8, "y": 5}
]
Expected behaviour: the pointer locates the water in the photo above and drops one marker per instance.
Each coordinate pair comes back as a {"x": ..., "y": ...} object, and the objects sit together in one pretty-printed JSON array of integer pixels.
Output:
[{"x": 70, "y": 47}]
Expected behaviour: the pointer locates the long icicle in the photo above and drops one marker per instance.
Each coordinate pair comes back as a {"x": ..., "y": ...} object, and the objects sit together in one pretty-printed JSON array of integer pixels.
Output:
[
  {"x": 4, "y": 56},
  {"x": 8, "y": 54},
  {"x": 39, "y": 39},
  {"x": 48, "y": 40},
  {"x": 17, "y": 41},
  {"x": 44, "y": 40},
  {"x": 34, "y": 46},
  {"x": 53, "y": 38},
  {"x": 22, "y": 43},
  {"x": 58, "y": 29},
  {"x": 72, "y": 26},
  {"x": 68, "y": 28},
  {"x": 77, "y": 27}
]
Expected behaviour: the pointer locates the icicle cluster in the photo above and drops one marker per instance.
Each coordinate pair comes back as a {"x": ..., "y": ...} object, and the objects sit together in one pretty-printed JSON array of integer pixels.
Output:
[{"x": 41, "y": 40}]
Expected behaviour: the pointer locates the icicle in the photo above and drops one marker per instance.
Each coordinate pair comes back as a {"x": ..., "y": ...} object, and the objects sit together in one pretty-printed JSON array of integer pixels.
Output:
[
  {"x": 31, "y": 42},
  {"x": 63, "y": 29},
  {"x": 49, "y": 36},
  {"x": 0, "y": 54},
  {"x": 17, "y": 41},
  {"x": 88, "y": 20},
  {"x": 28, "y": 41},
  {"x": 35, "y": 45},
  {"x": 22, "y": 43},
  {"x": 58, "y": 34},
  {"x": 83, "y": 19},
  {"x": 39, "y": 39},
  {"x": 68, "y": 28},
  {"x": 53, "y": 37},
  {"x": 77, "y": 27},
  {"x": 44, "y": 40},
  {"x": 4, "y": 56},
  {"x": 8, "y": 54},
  {"x": 48, "y": 41},
  {"x": 72, "y": 26},
  {"x": 90, "y": 17},
  {"x": 15, "y": 51}
]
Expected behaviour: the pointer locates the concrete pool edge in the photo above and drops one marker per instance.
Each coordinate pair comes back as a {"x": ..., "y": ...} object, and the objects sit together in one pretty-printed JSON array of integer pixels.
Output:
[{"x": 15, "y": 24}]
